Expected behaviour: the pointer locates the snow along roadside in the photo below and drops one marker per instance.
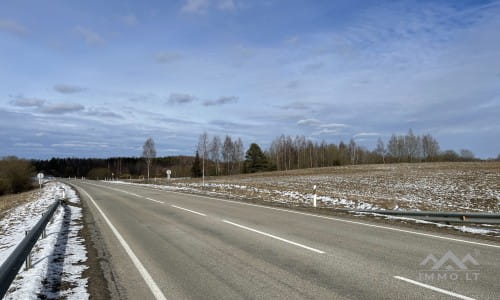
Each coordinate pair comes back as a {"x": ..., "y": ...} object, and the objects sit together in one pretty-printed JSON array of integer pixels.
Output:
[{"x": 58, "y": 260}]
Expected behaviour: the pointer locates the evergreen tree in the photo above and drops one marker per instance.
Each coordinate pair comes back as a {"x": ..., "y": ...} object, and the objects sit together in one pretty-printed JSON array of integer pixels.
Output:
[
  {"x": 196, "y": 168},
  {"x": 255, "y": 159}
]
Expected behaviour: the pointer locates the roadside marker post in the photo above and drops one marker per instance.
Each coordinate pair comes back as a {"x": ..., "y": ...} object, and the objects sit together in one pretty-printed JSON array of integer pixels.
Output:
[
  {"x": 314, "y": 196},
  {"x": 40, "y": 177}
]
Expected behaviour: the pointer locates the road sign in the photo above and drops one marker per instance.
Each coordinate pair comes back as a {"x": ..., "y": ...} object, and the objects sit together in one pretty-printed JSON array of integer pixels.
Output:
[{"x": 168, "y": 174}]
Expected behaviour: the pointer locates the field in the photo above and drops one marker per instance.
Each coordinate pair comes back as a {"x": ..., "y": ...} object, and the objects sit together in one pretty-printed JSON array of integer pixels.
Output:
[{"x": 421, "y": 186}]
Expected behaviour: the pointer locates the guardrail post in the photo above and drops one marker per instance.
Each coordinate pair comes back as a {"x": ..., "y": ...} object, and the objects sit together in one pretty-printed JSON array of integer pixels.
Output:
[
  {"x": 27, "y": 264},
  {"x": 44, "y": 233}
]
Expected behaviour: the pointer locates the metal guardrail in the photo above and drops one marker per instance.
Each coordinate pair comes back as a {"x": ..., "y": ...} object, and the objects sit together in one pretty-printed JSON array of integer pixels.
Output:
[
  {"x": 11, "y": 266},
  {"x": 446, "y": 217}
]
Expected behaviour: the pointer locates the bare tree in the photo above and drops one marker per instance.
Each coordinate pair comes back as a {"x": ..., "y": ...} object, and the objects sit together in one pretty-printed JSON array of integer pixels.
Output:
[
  {"x": 466, "y": 154},
  {"x": 392, "y": 146},
  {"x": 352, "y": 151},
  {"x": 401, "y": 148},
  {"x": 239, "y": 154},
  {"x": 380, "y": 150},
  {"x": 149, "y": 153},
  {"x": 203, "y": 149},
  {"x": 300, "y": 144},
  {"x": 310, "y": 148},
  {"x": 430, "y": 147},
  {"x": 227, "y": 154},
  {"x": 411, "y": 145},
  {"x": 215, "y": 147}
]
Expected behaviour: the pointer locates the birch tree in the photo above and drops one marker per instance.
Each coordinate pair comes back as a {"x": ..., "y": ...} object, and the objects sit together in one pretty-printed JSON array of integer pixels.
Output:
[
  {"x": 215, "y": 147},
  {"x": 238, "y": 153},
  {"x": 430, "y": 147},
  {"x": 227, "y": 154},
  {"x": 411, "y": 145},
  {"x": 149, "y": 153},
  {"x": 203, "y": 149},
  {"x": 380, "y": 150},
  {"x": 352, "y": 151}
]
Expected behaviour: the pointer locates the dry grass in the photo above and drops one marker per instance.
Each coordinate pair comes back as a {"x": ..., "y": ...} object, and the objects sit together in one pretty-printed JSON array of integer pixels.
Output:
[
  {"x": 8, "y": 202},
  {"x": 426, "y": 186}
]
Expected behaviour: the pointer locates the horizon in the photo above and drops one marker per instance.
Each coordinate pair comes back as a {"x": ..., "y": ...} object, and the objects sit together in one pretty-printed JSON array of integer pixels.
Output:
[{"x": 95, "y": 80}]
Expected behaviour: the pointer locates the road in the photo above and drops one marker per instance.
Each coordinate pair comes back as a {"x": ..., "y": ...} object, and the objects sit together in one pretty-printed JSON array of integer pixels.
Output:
[{"x": 169, "y": 245}]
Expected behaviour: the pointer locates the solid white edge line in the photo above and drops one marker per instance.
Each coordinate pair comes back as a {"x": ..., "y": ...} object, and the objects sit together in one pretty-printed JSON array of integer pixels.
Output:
[
  {"x": 430, "y": 287},
  {"x": 330, "y": 218},
  {"x": 274, "y": 237},
  {"x": 126, "y": 192},
  {"x": 191, "y": 211},
  {"x": 142, "y": 270}
]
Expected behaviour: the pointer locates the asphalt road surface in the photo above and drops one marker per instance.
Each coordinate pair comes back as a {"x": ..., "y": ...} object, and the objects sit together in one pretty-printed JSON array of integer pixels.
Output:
[{"x": 169, "y": 245}]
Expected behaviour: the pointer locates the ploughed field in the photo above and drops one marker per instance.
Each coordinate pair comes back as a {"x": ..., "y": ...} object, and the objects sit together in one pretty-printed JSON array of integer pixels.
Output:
[{"x": 473, "y": 186}]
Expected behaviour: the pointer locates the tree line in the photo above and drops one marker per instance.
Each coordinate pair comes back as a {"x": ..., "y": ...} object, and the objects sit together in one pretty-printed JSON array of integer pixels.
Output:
[
  {"x": 225, "y": 156},
  {"x": 222, "y": 157},
  {"x": 215, "y": 156},
  {"x": 114, "y": 167}
]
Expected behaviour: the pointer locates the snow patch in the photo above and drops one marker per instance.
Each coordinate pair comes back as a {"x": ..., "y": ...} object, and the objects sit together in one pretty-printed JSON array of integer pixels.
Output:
[{"x": 58, "y": 261}]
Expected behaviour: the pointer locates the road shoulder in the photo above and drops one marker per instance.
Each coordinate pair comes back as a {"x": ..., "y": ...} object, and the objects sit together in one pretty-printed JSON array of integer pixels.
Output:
[{"x": 103, "y": 283}]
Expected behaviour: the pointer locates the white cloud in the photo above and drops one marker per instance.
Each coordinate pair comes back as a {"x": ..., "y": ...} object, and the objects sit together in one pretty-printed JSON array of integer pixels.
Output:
[
  {"x": 328, "y": 131},
  {"x": 321, "y": 128},
  {"x": 80, "y": 144},
  {"x": 28, "y": 145},
  {"x": 221, "y": 101},
  {"x": 21, "y": 101},
  {"x": 12, "y": 27},
  {"x": 91, "y": 37},
  {"x": 366, "y": 134},
  {"x": 167, "y": 57},
  {"x": 195, "y": 6},
  {"x": 226, "y": 5},
  {"x": 130, "y": 20},
  {"x": 102, "y": 113},
  {"x": 333, "y": 125},
  {"x": 68, "y": 89},
  {"x": 292, "y": 40},
  {"x": 309, "y": 122},
  {"x": 202, "y": 6},
  {"x": 61, "y": 108},
  {"x": 180, "y": 98}
]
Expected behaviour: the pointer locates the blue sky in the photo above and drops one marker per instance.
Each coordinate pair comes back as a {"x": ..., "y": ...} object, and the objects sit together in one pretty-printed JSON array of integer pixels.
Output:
[{"x": 96, "y": 78}]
